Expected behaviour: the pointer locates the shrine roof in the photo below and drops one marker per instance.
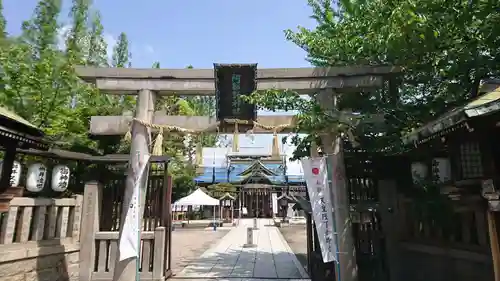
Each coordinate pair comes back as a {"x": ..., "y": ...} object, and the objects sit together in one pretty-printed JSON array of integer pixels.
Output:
[
  {"x": 17, "y": 130},
  {"x": 236, "y": 174},
  {"x": 487, "y": 103}
]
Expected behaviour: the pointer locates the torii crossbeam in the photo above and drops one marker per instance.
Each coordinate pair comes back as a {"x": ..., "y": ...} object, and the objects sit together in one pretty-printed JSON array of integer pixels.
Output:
[{"x": 183, "y": 82}]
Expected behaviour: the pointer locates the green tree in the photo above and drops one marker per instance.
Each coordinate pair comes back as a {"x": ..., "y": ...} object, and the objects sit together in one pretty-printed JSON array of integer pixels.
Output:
[
  {"x": 39, "y": 79},
  {"x": 183, "y": 184},
  {"x": 45, "y": 96},
  {"x": 97, "y": 54},
  {"x": 444, "y": 47},
  {"x": 122, "y": 58},
  {"x": 77, "y": 43},
  {"x": 3, "y": 23},
  {"x": 92, "y": 102},
  {"x": 78, "y": 37},
  {"x": 121, "y": 54}
]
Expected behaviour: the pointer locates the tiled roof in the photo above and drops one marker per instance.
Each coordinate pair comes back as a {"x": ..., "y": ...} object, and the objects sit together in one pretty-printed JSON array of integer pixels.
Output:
[
  {"x": 221, "y": 174},
  {"x": 13, "y": 116},
  {"x": 487, "y": 103}
]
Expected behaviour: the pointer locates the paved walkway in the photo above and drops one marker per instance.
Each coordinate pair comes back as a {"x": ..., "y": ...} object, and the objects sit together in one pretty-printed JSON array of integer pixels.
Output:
[{"x": 272, "y": 258}]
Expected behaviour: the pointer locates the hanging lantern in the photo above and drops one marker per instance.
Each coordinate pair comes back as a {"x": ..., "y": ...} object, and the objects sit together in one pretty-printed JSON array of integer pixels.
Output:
[
  {"x": 15, "y": 175},
  {"x": 37, "y": 175},
  {"x": 443, "y": 168},
  {"x": 60, "y": 178},
  {"x": 418, "y": 171}
]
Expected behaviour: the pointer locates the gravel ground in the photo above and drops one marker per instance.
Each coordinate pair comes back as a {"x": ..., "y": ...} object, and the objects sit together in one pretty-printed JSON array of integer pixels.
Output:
[
  {"x": 190, "y": 243},
  {"x": 295, "y": 235}
]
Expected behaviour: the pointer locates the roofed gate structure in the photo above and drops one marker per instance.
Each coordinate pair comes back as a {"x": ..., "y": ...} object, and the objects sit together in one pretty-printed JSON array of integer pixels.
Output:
[
  {"x": 15, "y": 133},
  {"x": 227, "y": 83},
  {"x": 259, "y": 180}
]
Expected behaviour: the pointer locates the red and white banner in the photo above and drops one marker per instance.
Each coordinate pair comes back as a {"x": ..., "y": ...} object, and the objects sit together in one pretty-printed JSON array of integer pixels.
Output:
[{"x": 316, "y": 177}]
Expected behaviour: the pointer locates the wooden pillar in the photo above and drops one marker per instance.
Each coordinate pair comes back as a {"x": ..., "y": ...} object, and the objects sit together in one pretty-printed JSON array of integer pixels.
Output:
[
  {"x": 494, "y": 244},
  {"x": 310, "y": 247},
  {"x": 332, "y": 146},
  {"x": 249, "y": 205},
  {"x": 126, "y": 270},
  {"x": 490, "y": 171},
  {"x": 244, "y": 201},
  {"x": 257, "y": 199},
  {"x": 232, "y": 211},
  {"x": 253, "y": 202},
  {"x": 389, "y": 213},
  {"x": 7, "y": 164},
  {"x": 240, "y": 205}
]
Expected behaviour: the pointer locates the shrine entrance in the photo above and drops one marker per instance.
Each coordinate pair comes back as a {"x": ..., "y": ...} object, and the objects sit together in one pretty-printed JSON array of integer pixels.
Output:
[
  {"x": 257, "y": 200},
  {"x": 227, "y": 83}
]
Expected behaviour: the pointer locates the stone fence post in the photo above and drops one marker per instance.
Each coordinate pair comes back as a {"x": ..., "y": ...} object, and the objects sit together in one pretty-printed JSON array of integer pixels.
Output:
[{"x": 90, "y": 225}]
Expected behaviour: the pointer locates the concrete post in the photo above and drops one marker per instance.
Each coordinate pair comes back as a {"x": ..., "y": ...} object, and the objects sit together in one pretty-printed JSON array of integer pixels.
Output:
[
  {"x": 249, "y": 243},
  {"x": 91, "y": 211}
]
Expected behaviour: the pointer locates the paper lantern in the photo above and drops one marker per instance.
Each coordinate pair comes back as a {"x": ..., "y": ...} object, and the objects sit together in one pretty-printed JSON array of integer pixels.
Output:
[
  {"x": 418, "y": 171},
  {"x": 443, "y": 167},
  {"x": 37, "y": 175},
  {"x": 15, "y": 175},
  {"x": 60, "y": 178}
]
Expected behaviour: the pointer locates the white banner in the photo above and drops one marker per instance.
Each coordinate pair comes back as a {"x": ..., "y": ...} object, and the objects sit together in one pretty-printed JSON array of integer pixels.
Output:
[
  {"x": 129, "y": 241},
  {"x": 315, "y": 175}
]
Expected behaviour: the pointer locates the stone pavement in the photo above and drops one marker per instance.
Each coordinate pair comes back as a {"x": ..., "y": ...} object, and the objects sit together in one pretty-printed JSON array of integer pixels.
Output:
[
  {"x": 188, "y": 244},
  {"x": 272, "y": 258}
]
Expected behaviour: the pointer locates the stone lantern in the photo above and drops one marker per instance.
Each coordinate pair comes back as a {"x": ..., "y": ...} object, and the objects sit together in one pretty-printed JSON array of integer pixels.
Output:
[{"x": 283, "y": 202}]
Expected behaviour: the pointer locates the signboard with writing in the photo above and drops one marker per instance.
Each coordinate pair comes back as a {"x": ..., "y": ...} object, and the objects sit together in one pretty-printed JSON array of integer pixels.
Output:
[
  {"x": 231, "y": 82},
  {"x": 315, "y": 175}
]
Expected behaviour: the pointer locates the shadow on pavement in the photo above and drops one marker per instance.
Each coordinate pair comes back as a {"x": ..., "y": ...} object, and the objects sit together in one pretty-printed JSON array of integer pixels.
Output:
[{"x": 244, "y": 263}]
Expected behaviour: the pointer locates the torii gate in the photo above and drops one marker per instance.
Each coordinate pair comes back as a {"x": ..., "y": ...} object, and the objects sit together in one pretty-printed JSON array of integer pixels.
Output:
[{"x": 149, "y": 83}]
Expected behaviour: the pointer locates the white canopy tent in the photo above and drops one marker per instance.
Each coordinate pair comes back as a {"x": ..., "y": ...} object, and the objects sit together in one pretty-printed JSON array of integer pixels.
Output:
[{"x": 198, "y": 198}]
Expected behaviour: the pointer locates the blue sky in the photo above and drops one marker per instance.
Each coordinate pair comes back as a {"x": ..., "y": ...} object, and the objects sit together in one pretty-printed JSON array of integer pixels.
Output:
[
  {"x": 182, "y": 32},
  {"x": 178, "y": 33}
]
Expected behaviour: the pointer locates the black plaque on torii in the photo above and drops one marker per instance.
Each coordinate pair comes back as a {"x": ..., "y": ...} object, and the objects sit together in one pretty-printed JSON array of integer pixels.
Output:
[{"x": 231, "y": 82}]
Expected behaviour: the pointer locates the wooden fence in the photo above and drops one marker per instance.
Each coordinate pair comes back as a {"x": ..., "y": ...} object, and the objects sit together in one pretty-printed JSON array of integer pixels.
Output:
[
  {"x": 99, "y": 251},
  {"x": 456, "y": 250},
  {"x": 426, "y": 248},
  {"x": 151, "y": 261},
  {"x": 36, "y": 219},
  {"x": 39, "y": 239}
]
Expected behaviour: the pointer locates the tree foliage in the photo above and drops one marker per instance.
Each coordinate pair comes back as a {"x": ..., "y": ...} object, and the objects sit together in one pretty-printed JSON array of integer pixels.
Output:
[
  {"x": 39, "y": 82},
  {"x": 445, "y": 48},
  {"x": 3, "y": 23}
]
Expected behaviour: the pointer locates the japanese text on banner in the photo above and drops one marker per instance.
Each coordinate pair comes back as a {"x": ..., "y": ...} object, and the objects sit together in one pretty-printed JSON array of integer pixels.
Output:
[{"x": 315, "y": 175}]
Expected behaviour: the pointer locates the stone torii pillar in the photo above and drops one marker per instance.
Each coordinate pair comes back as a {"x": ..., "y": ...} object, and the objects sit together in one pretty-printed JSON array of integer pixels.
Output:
[
  {"x": 126, "y": 270},
  {"x": 332, "y": 146}
]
